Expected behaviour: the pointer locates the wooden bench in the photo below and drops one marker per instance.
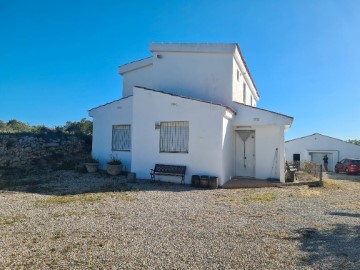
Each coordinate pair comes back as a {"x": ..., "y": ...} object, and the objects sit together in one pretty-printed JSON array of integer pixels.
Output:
[
  {"x": 169, "y": 170},
  {"x": 290, "y": 172}
]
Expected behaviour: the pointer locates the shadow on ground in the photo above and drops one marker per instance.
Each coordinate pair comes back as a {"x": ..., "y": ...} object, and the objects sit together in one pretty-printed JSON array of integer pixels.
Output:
[
  {"x": 71, "y": 183},
  {"x": 335, "y": 248},
  {"x": 345, "y": 214},
  {"x": 343, "y": 176}
]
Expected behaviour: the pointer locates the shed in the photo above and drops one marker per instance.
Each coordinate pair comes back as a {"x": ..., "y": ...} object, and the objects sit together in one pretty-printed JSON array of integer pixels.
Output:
[{"x": 314, "y": 147}]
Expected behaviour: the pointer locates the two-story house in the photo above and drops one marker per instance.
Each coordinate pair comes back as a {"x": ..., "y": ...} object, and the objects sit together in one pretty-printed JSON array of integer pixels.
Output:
[{"x": 193, "y": 105}]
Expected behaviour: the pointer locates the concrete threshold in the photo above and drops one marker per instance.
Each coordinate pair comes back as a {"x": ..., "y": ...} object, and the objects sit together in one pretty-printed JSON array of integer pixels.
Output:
[{"x": 249, "y": 182}]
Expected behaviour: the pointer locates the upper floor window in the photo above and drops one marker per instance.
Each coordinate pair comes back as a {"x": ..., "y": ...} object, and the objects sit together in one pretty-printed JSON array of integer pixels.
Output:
[
  {"x": 244, "y": 93},
  {"x": 174, "y": 137},
  {"x": 237, "y": 75},
  {"x": 121, "y": 138}
]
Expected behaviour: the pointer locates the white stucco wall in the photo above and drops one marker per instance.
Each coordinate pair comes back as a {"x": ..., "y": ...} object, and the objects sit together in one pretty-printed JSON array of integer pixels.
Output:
[
  {"x": 202, "y": 71},
  {"x": 140, "y": 77},
  {"x": 104, "y": 117},
  {"x": 269, "y": 134},
  {"x": 205, "y": 134},
  {"x": 318, "y": 143},
  {"x": 269, "y": 151},
  {"x": 206, "y": 76},
  {"x": 237, "y": 88},
  {"x": 228, "y": 150},
  {"x": 211, "y": 142},
  {"x": 269, "y": 161}
]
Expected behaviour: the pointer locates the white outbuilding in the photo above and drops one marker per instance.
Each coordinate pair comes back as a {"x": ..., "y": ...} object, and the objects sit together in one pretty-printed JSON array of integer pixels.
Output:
[
  {"x": 314, "y": 147},
  {"x": 192, "y": 105}
]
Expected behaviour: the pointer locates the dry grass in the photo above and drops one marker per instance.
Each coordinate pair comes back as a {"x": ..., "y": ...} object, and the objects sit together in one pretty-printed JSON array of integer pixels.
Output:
[
  {"x": 321, "y": 226},
  {"x": 8, "y": 220},
  {"x": 348, "y": 205},
  {"x": 51, "y": 200},
  {"x": 310, "y": 192},
  {"x": 233, "y": 198},
  {"x": 331, "y": 184},
  {"x": 87, "y": 198},
  {"x": 126, "y": 196},
  {"x": 277, "y": 234},
  {"x": 261, "y": 197}
]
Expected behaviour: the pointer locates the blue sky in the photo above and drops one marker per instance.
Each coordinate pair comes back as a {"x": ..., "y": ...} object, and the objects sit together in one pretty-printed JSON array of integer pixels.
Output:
[{"x": 60, "y": 58}]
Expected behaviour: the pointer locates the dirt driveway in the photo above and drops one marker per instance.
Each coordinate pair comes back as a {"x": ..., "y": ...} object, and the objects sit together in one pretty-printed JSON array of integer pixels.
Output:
[{"x": 66, "y": 220}]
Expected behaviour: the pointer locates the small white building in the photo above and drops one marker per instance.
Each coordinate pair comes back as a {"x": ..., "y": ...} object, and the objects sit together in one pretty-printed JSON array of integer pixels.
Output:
[
  {"x": 192, "y": 105},
  {"x": 314, "y": 147}
]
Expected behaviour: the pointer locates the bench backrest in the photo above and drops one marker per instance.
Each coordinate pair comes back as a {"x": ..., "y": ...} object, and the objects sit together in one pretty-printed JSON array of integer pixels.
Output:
[
  {"x": 162, "y": 168},
  {"x": 287, "y": 165},
  {"x": 290, "y": 167}
]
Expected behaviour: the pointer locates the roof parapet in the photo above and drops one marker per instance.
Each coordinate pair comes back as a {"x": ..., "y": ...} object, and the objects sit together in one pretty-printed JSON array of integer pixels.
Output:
[{"x": 135, "y": 65}]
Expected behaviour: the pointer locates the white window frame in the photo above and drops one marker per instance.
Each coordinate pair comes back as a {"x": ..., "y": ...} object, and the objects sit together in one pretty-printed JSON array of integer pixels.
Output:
[
  {"x": 121, "y": 138},
  {"x": 174, "y": 137}
]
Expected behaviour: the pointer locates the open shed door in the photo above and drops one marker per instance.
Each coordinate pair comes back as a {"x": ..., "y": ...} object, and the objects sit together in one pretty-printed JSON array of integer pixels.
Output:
[{"x": 317, "y": 157}]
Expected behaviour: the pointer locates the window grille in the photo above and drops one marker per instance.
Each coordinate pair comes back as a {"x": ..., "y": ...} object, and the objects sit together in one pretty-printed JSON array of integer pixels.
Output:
[
  {"x": 121, "y": 138},
  {"x": 174, "y": 137}
]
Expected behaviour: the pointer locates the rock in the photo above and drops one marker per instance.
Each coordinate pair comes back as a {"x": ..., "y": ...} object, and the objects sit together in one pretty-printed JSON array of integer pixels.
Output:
[{"x": 35, "y": 151}]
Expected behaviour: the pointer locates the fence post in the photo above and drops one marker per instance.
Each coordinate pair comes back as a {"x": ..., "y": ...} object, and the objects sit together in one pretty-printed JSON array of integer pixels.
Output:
[{"x": 321, "y": 180}]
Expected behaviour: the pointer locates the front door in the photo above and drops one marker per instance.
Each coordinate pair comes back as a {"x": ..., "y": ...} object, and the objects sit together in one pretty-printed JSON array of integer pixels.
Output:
[{"x": 245, "y": 153}]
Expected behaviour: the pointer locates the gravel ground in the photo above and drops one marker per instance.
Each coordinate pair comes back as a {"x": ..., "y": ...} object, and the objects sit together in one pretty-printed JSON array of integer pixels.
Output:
[{"x": 66, "y": 220}]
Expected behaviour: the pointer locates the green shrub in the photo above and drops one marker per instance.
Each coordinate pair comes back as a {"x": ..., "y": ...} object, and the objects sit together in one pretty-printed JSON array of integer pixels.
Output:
[
  {"x": 90, "y": 159},
  {"x": 114, "y": 161}
]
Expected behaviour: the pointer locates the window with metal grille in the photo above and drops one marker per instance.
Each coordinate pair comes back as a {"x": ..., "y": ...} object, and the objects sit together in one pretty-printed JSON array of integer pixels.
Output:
[
  {"x": 121, "y": 138},
  {"x": 174, "y": 137}
]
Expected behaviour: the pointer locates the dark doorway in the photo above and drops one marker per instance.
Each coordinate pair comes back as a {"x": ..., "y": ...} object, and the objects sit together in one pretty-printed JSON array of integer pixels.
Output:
[
  {"x": 296, "y": 160},
  {"x": 296, "y": 157}
]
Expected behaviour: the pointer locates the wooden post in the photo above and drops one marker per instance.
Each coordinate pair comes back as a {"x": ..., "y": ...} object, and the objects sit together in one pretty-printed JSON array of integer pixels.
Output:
[{"x": 321, "y": 180}]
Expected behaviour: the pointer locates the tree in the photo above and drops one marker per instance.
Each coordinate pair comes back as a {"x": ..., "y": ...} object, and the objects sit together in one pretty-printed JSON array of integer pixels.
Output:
[
  {"x": 18, "y": 126},
  {"x": 84, "y": 126},
  {"x": 357, "y": 142},
  {"x": 2, "y": 126}
]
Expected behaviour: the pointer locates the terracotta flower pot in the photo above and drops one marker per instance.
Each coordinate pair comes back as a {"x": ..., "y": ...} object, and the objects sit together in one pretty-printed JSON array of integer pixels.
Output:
[
  {"x": 92, "y": 167},
  {"x": 113, "y": 169}
]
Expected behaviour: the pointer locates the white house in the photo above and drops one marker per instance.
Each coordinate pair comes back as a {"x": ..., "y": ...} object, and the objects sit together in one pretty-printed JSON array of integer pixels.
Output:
[
  {"x": 314, "y": 147},
  {"x": 192, "y": 105}
]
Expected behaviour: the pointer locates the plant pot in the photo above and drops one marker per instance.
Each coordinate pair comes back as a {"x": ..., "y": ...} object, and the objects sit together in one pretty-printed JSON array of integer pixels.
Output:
[
  {"x": 113, "y": 169},
  {"x": 131, "y": 177},
  {"x": 213, "y": 182},
  {"x": 91, "y": 167}
]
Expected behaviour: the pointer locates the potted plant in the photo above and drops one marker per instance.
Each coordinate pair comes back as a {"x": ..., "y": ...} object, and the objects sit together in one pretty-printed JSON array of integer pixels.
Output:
[
  {"x": 114, "y": 166},
  {"x": 91, "y": 164}
]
